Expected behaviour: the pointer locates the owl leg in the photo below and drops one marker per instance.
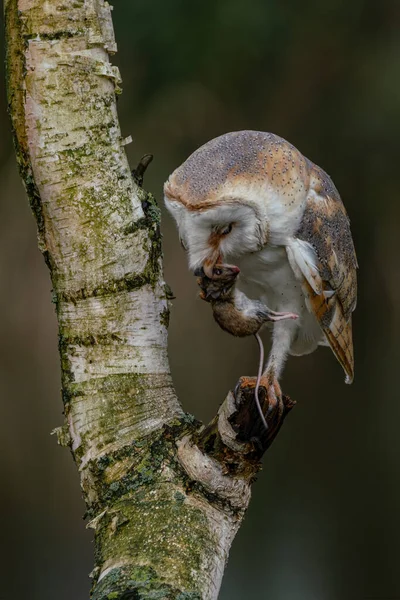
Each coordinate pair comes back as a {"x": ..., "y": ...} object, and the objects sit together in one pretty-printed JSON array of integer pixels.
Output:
[{"x": 282, "y": 337}]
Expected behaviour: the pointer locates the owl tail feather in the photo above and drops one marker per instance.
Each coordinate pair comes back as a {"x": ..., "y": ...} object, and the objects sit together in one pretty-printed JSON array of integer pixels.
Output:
[{"x": 339, "y": 335}]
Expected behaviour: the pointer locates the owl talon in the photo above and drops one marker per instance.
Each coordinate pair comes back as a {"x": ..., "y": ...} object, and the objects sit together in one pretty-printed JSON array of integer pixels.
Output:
[
  {"x": 272, "y": 402},
  {"x": 237, "y": 388},
  {"x": 274, "y": 393}
]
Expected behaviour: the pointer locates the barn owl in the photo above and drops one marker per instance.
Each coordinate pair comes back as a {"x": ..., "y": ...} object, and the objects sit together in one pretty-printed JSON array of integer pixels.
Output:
[{"x": 252, "y": 199}]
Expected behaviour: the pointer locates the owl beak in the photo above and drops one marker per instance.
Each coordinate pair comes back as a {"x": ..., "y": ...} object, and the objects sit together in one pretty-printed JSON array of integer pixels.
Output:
[
  {"x": 209, "y": 263},
  {"x": 208, "y": 266}
]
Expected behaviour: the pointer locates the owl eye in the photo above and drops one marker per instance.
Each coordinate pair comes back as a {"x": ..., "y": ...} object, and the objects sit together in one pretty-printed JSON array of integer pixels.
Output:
[{"x": 227, "y": 229}]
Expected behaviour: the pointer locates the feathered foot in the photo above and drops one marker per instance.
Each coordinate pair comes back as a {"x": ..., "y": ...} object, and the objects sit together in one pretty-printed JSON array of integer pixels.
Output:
[{"x": 273, "y": 404}]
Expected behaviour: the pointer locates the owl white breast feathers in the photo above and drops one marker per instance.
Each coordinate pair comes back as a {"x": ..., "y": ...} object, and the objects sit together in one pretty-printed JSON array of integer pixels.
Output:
[{"x": 252, "y": 199}]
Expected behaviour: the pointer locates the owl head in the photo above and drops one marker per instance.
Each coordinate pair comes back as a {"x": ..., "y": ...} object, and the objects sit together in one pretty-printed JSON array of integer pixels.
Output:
[
  {"x": 214, "y": 197},
  {"x": 235, "y": 194}
]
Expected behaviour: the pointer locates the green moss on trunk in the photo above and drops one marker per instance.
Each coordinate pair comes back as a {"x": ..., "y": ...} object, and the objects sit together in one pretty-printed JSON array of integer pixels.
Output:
[{"x": 15, "y": 76}]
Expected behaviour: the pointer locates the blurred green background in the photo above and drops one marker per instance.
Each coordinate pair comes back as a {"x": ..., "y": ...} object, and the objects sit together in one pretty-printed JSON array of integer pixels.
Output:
[{"x": 324, "y": 522}]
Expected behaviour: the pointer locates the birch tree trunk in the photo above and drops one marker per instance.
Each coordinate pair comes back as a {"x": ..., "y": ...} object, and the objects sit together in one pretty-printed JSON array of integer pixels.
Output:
[{"x": 164, "y": 494}]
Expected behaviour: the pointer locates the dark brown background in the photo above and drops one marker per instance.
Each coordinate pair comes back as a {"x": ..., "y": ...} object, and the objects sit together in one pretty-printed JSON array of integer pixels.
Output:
[{"x": 324, "y": 520}]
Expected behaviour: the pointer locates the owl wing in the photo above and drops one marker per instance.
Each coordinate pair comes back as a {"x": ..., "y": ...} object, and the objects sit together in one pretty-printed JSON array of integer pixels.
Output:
[{"x": 322, "y": 256}]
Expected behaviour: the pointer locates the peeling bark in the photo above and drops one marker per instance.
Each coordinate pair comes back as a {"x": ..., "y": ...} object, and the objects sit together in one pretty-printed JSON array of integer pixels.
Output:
[{"x": 164, "y": 494}]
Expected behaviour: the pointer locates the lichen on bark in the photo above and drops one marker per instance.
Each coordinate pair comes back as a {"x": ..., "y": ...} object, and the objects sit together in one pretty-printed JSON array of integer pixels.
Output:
[{"x": 164, "y": 495}]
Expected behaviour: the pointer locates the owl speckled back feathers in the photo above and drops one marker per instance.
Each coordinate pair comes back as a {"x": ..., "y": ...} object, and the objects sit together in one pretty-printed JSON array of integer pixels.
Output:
[{"x": 257, "y": 177}]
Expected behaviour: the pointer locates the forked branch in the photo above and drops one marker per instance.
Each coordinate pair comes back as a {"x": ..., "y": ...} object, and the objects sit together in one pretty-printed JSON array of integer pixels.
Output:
[{"x": 165, "y": 496}]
